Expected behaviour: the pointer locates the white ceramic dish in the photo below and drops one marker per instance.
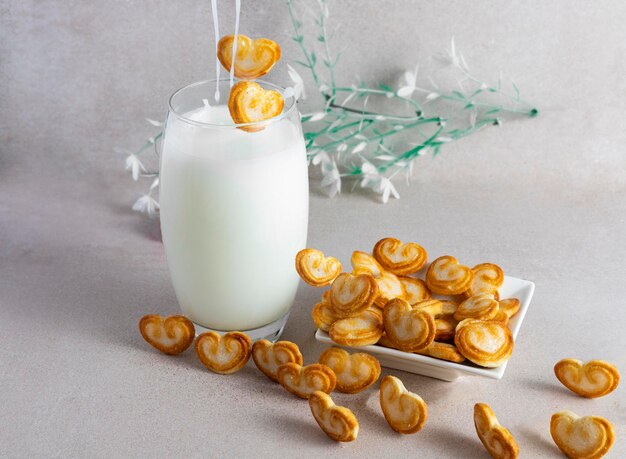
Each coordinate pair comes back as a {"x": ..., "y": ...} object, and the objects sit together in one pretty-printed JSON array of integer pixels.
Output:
[{"x": 442, "y": 369}]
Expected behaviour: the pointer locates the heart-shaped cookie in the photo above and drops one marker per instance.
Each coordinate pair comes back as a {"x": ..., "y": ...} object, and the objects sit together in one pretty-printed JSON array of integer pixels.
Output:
[
  {"x": 592, "y": 379},
  {"x": 389, "y": 286},
  {"x": 445, "y": 327},
  {"x": 404, "y": 411},
  {"x": 443, "y": 351},
  {"x": 351, "y": 294},
  {"x": 269, "y": 356},
  {"x": 303, "y": 381},
  {"x": 487, "y": 343},
  {"x": 361, "y": 330},
  {"x": 249, "y": 103},
  {"x": 498, "y": 441},
  {"x": 588, "y": 437},
  {"x": 398, "y": 258},
  {"x": 479, "y": 306},
  {"x": 409, "y": 329},
  {"x": 488, "y": 278},
  {"x": 171, "y": 335},
  {"x": 354, "y": 372},
  {"x": 415, "y": 289},
  {"x": 510, "y": 306},
  {"x": 315, "y": 269},
  {"x": 338, "y": 422},
  {"x": 365, "y": 263},
  {"x": 446, "y": 276},
  {"x": 223, "y": 354},
  {"x": 324, "y": 315},
  {"x": 254, "y": 58}
]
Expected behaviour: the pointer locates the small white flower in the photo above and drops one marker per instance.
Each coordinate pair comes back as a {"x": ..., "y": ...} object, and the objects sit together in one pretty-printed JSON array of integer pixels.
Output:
[
  {"x": 298, "y": 86},
  {"x": 342, "y": 147},
  {"x": 443, "y": 139},
  {"x": 134, "y": 165},
  {"x": 155, "y": 184},
  {"x": 154, "y": 122},
  {"x": 317, "y": 116},
  {"x": 433, "y": 96},
  {"x": 331, "y": 180},
  {"x": 146, "y": 204},
  {"x": 359, "y": 148},
  {"x": 386, "y": 189},
  {"x": 409, "y": 84},
  {"x": 320, "y": 158}
]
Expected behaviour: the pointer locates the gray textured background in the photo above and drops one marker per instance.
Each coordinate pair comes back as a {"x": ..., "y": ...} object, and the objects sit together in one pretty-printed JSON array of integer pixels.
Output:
[{"x": 545, "y": 198}]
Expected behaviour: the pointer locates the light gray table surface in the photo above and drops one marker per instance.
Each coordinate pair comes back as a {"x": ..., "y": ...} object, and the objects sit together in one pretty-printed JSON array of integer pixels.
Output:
[{"x": 544, "y": 198}]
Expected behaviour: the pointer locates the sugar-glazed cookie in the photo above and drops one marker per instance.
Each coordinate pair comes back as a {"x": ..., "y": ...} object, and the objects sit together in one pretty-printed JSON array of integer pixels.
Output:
[
  {"x": 354, "y": 372},
  {"x": 364, "y": 329},
  {"x": 170, "y": 335},
  {"x": 303, "y": 381},
  {"x": 255, "y": 58},
  {"x": 498, "y": 441},
  {"x": 479, "y": 306},
  {"x": 409, "y": 329},
  {"x": 443, "y": 351},
  {"x": 595, "y": 378},
  {"x": 249, "y": 103},
  {"x": 351, "y": 294},
  {"x": 223, "y": 354},
  {"x": 404, "y": 411},
  {"x": 589, "y": 437},
  {"x": 446, "y": 276},
  {"x": 389, "y": 286},
  {"x": 398, "y": 258},
  {"x": 487, "y": 343},
  {"x": 315, "y": 269},
  {"x": 324, "y": 315},
  {"x": 269, "y": 356},
  {"x": 365, "y": 263},
  {"x": 338, "y": 422},
  {"x": 510, "y": 306},
  {"x": 415, "y": 289},
  {"x": 488, "y": 278}
]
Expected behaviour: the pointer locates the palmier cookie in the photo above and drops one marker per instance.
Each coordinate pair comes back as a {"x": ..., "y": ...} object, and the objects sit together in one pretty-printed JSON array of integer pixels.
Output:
[
  {"x": 315, "y": 269},
  {"x": 409, "y": 329},
  {"x": 595, "y": 378},
  {"x": 269, "y": 356},
  {"x": 223, "y": 354},
  {"x": 303, "y": 381},
  {"x": 350, "y": 294},
  {"x": 480, "y": 306},
  {"x": 404, "y": 411},
  {"x": 389, "y": 286},
  {"x": 498, "y": 441},
  {"x": 445, "y": 328},
  {"x": 249, "y": 103},
  {"x": 170, "y": 335},
  {"x": 365, "y": 263},
  {"x": 354, "y": 372},
  {"x": 446, "y": 276},
  {"x": 443, "y": 351},
  {"x": 488, "y": 278},
  {"x": 415, "y": 289},
  {"x": 364, "y": 329},
  {"x": 588, "y": 437},
  {"x": 324, "y": 315},
  {"x": 510, "y": 306},
  {"x": 398, "y": 258},
  {"x": 338, "y": 422},
  {"x": 487, "y": 343},
  {"x": 254, "y": 58}
]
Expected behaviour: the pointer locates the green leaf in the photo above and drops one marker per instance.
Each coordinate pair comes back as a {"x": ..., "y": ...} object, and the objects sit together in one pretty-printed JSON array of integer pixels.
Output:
[
  {"x": 321, "y": 39},
  {"x": 385, "y": 87},
  {"x": 459, "y": 94},
  {"x": 313, "y": 58},
  {"x": 298, "y": 38}
]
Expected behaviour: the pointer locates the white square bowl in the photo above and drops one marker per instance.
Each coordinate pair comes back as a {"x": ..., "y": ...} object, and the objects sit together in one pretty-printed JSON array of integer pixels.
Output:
[{"x": 442, "y": 369}]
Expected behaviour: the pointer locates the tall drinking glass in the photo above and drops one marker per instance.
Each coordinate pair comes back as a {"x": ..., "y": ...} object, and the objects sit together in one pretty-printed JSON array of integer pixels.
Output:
[{"x": 234, "y": 211}]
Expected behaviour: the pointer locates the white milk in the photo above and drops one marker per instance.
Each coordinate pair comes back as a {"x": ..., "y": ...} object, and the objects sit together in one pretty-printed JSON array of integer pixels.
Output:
[{"x": 234, "y": 212}]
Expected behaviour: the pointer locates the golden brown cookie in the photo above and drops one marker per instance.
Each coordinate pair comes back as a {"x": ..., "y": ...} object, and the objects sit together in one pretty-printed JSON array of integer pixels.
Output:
[
  {"x": 409, "y": 329},
  {"x": 365, "y": 263},
  {"x": 498, "y": 441},
  {"x": 595, "y": 378},
  {"x": 415, "y": 289},
  {"x": 303, "y": 381},
  {"x": 315, "y": 269},
  {"x": 509, "y": 306},
  {"x": 364, "y": 329},
  {"x": 255, "y": 58},
  {"x": 389, "y": 286},
  {"x": 354, "y": 372},
  {"x": 443, "y": 351},
  {"x": 487, "y": 343},
  {"x": 324, "y": 315},
  {"x": 480, "y": 306},
  {"x": 170, "y": 335},
  {"x": 404, "y": 411},
  {"x": 269, "y": 356},
  {"x": 249, "y": 103},
  {"x": 351, "y": 294},
  {"x": 223, "y": 354},
  {"x": 488, "y": 278},
  {"x": 398, "y": 258},
  {"x": 589, "y": 437},
  {"x": 338, "y": 422},
  {"x": 446, "y": 276}
]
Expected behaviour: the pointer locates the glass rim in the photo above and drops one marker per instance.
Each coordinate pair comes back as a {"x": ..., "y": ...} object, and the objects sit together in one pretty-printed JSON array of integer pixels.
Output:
[{"x": 286, "y": 111}]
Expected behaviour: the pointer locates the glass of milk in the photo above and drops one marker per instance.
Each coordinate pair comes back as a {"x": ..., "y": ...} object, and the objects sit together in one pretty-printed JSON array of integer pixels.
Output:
[{"x": 234, "y": 211}]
